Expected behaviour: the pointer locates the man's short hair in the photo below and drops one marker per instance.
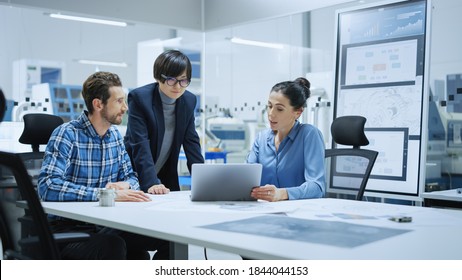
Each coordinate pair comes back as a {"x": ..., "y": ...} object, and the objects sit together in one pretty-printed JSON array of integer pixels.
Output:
[{"x": 97, "y": 86}]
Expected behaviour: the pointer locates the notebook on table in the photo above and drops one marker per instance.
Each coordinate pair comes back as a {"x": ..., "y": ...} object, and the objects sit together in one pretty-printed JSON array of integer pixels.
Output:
[{"x": 224, "y": 181}]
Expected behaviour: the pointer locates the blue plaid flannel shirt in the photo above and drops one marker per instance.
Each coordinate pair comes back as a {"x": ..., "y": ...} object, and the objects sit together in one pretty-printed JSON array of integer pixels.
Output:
[{"x": 78, "y": 161}]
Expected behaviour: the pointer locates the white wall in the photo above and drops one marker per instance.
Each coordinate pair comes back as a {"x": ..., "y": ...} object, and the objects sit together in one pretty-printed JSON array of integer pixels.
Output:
[
  {"x": 171, "y": 13},
  {"x": 446, "y": 50},
  {"x": 26, "y": 33},
  {"x": 224, "y": 13},
  {"x": 197, "y": 15}
]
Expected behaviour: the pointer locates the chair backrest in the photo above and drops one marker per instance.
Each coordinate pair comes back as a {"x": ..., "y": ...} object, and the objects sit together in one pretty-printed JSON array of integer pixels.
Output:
[
  {"x": 29, "y": 236},
  {"x": 5, "y": 233},
  {"x": 39, "y": 243},
  {"x": 353, "y": 163},
  {"x": 2, "y": 105},
  {"x": 42, "y": 243},
  {"x": 38, "y": 128}
]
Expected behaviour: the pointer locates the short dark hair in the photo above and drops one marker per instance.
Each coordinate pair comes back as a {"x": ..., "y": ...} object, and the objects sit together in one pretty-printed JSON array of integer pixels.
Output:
[
  {"x": 97, "y": 86},
  {"x": 297, "y": 91},
  {"x": 171, "y": 63}
]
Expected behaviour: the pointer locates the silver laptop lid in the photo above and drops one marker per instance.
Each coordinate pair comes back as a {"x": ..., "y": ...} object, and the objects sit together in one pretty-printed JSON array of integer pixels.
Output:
[{"x": 224, "y": 181}]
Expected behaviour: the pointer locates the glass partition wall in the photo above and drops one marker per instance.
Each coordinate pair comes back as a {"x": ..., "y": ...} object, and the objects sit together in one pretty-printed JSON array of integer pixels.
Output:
[
  {"x": 242, "y": 63},
  {"x": 444, "y": 152}
]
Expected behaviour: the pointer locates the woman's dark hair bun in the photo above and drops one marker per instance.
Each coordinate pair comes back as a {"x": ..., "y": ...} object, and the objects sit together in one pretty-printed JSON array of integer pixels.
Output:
[
  {"x": 303, "y": 81},
  {"x": 305, "y": 84}
]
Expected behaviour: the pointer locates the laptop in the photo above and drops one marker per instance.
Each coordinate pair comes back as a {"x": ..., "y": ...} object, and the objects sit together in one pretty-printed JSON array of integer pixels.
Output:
[{"x": 224, "y": 181}]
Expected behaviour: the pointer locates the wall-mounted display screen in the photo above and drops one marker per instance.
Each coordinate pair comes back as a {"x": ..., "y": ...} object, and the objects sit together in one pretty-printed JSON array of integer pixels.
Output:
[{"x": 380, "y": 66}]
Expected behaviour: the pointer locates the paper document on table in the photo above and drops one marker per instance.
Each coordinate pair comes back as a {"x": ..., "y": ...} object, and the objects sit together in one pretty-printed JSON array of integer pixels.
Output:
[
  {"x": 379, "y": 213},
  {"x": 330, "y": 233},
  {"x": 257, "y": 207}
]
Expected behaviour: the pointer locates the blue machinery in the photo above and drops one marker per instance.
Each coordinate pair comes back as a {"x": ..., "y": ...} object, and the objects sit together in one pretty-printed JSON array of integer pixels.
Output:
[{"x": 64, "y": 101}]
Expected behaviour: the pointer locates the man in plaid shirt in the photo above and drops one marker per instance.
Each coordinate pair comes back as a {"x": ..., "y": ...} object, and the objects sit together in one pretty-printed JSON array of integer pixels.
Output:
[{"x": 88, "y": 154}]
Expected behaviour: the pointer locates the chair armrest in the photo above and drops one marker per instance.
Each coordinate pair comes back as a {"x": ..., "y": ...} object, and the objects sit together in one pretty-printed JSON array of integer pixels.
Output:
[
  {"x": 69, "y": 237},
  {"x": 64, "y": 237}
]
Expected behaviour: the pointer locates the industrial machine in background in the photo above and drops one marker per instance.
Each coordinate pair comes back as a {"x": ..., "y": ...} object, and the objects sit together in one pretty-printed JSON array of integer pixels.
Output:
[
  {"x": 444, "y": 150},
  {"x": 231, "y": 132},
  {"x": 225, "y": 130},
  {"x": 64, "y": 101},
  {"x": 30, "y": 72},
  {"x": 27, "y": 74}
]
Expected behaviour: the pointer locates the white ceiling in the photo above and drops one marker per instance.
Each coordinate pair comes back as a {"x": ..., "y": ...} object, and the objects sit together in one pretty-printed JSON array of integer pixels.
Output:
[{"x": 199, "y": 15}]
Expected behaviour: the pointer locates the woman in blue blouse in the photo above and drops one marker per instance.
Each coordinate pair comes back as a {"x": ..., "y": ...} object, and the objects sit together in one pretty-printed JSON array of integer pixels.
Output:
[{"x": 292, "y": 153}]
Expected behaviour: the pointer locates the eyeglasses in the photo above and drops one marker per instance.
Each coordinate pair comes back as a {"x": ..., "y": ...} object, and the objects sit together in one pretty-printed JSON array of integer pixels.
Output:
[{"x": 171, "y": 81}]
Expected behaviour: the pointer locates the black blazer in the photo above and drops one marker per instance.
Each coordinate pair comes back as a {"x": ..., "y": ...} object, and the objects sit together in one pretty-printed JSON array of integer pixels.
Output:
[{"x": 145, "y": 132}]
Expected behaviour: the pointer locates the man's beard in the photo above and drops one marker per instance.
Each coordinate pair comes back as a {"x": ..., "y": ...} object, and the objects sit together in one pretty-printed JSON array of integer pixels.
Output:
[{"x": 111, "y": 119}]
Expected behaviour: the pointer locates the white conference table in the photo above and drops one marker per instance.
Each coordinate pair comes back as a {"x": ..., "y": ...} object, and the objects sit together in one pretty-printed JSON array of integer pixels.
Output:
[
  {"x": 433, "y": 233},
  {"x": 446, "y": 198}
]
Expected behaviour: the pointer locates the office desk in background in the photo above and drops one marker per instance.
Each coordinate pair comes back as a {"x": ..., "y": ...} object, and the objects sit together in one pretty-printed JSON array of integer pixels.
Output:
[
  {"x": 446, "y": 198},
  {"x": 310, "y": 229}
]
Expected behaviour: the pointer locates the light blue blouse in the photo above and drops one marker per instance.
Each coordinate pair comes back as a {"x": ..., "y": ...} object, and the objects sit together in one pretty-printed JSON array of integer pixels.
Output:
[{"x": 298, "y": 165}]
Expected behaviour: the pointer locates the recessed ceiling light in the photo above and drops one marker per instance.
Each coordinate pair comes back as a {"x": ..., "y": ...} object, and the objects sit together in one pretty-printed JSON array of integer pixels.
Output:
[
  {"x": 256, "y": 43},
  {"x": 102, "y": 63},
  {"x": 90, "y": 20}
]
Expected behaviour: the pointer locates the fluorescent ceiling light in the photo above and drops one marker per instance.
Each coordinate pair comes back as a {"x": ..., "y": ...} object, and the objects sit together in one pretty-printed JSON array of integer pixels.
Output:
[
  {"x": 256, "y": 43},
  {"x": 103, "y": 63},
  {"x": 91, "y": 20}
]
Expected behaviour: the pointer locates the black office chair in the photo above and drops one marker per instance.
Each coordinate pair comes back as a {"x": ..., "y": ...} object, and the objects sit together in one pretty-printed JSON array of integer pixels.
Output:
[
  {"x": 37, "y": 130},
  {"x": 39, "y": 243},
  {"x": 2, "y": 105},
  {"x": 353, "y": 163}
]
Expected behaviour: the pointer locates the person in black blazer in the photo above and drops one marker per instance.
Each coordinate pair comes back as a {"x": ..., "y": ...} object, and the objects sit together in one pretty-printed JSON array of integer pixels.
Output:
[{"x": 160, "y": 121}]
